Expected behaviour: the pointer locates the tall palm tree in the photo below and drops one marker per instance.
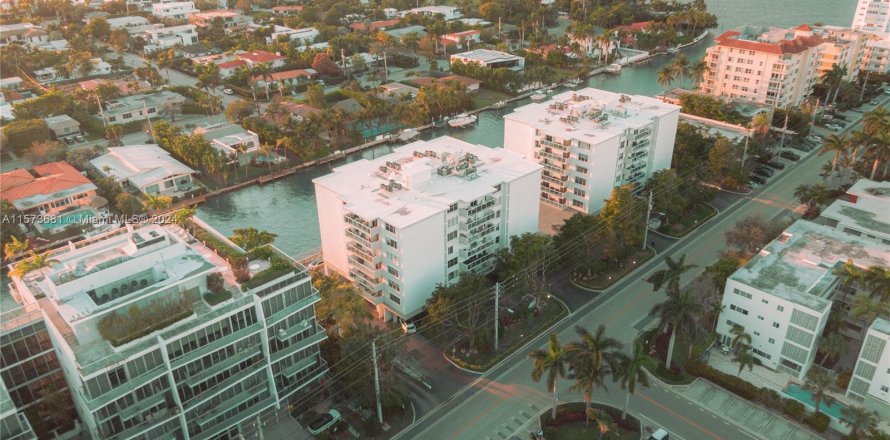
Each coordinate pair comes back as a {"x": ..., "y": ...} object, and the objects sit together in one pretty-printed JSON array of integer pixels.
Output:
[
  {"x": 263, "y": 70},
  {"x": 740, "y": 338},
  {"x": 665, "y": 76},
  {"x": 819, "y": 384},
  {"x": 745, "y": 358},
  {"x": 680, "y": 65},
  {"x": 156, "y": 203},
  {"x": 603, "y": 420},
  {"x": 812, "y": 196},
  {"x": 32, "y": 263},
  {"x": 837, "y": 145},
  {"x": 552, "y": 362},
  {"x": 859, "y": 419},
  {"x": 876, "y": 120},
  {"x": 877, "y": 278},
  {"x": 678, "y": 314},
  {"x": 879, "y": 152},
  {"x": 591, "y": 359},
  {"x": 208, "y": 77},
  {"x": 632, "y": 370},
  {"x": 832, "y": 79},
  {"x": 831, "y": 345},
  {"x": 670, "y": 277},
  {"x": 867, "y": 308},
  {"x": 14, "y": 246},
  {"x": 761, "y": 123}
]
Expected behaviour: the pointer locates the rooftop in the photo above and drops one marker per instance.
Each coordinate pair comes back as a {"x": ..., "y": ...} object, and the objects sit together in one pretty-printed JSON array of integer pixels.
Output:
[
  {"x": 798, "y": 266},
  {"x": 591, "y": 115},
  {"x": 128, "y": 103},
  {"x": 486, "y": 55},
  {"x": 140, "y": 164},
  {"x": 27, "y": 189},
  {"x": 259, "y": 56},
  {"x": 422, "y": 178},
  {"x": 881, "y": 325},
  {"x": 288, "y": 74},
  {"x": 866, "y": 209},
  {"x": 770, "y": 40}
]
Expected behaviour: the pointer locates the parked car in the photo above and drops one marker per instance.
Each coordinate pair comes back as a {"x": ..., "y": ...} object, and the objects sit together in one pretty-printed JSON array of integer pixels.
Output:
[
  {"x": 776, "y": 165},
  {"x": 228, "y": 91},
  {"x": 757, "y": 179},
  {"x": 805, "y": 147},
  {"x": 324, "y": 421},
  {"x": 659, "y": 434},
  {"x": 763, "y": 172},
  {"x": 833, "y": 127},
  {"x": 409, "y": 328},
  {"x": 840, "y": 116},
  {"x": 79, "y": 138},
  {"x": 887, "y": 91},
  {"x": 790, "y": 156},
  {"x": 315, "y": 264}
]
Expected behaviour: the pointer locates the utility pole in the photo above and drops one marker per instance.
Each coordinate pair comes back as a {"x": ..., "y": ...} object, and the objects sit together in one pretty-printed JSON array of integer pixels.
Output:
[
  {"x": 259, "y": 427},
  {"x": 497, "y": 294},
  {"x": 646, "y": 226},
  {"x": 376, "y": 381},
  {"x": 499, "y": 28},
  {"x": 815, "y": 111},
  {"x": 745, "y": 151},
  {"x": 386, "y": 66},
  {"x": 151, "y": 131},
  {"x": 343, "y": 61},
  {"x": 784, "y": 129}
]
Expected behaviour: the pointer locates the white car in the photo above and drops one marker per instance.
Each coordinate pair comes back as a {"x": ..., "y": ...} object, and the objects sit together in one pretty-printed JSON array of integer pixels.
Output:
[
  {"x": 315, "y": 264},
  {"x": 228, "y": 91},
  {"x": 409, "y": 328},
  {"x": 833, "y": 127},
  {"x": 324, "y": 421}
]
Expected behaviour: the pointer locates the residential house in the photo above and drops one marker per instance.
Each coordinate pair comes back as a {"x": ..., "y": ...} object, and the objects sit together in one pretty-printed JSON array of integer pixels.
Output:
[
  {"x": 463, "y": 39},
  {"x": 148, "y": 169},
  {"x": 11, "y": 83},
  {"x": 25, "y": 33},
  {"x": 257, "y": 57},
  {"x": 374, "y": 26},
  {"x": 47, "y": 189},
  {"x": 233, "y": 21},
  {"x": 591, "y": 141},
  {"x": 402, "y": 224},
  {"x": 287, "y": 78},
  {"x": 287, "y": 9},
  {"x": 472, "y": 85},
  {"x": 228, "y": 68},
  {"x": 62, "y": 126},
  {"x": 139, "y": 107},
  {"x": 490, "y": 58},
  {"x": 299, "y": 36},
  {"x": 447, "y": 12},
  {"x": 50, "y": 74},
  {"x": 167, "y": 37},
  {"x": 396, "y": 91},
  {"x": 241, "y": 146},
  {"x": 173, "y": 10}
]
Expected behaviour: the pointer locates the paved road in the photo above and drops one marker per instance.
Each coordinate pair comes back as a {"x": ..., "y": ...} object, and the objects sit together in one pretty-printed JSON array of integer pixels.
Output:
[
  {"x": 505, "y": 401},
  {"x": 176, "y": 78}
]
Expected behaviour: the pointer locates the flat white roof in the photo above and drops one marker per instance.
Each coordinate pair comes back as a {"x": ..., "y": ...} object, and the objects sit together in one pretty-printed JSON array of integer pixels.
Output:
[
  {"x": 881, "y": 325},
  {"x": 591, "y": 115},
  {"x": 870, "y": 213},
  {"x": 798, "y": 266},
  {"x": 140, "y": 164},
  {"x": 424, "y": 192},
  {"x": 486, "y": 56}
]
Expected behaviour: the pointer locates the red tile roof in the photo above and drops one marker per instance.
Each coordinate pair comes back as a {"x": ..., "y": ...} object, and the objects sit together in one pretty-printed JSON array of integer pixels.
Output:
[
  {"x": 259, "y": 56},
  {"x": 288, "y": 8},
  {"x": 360, "y": 26},
  {"x": 804, "y": 27},
  {"x": 232, "y": 64},
  {"x": 286, "y": 75},
  {"x": 638, "y": 26},
  {"x": 51, "y": 178},
  {"x": 797, "y": 45}
]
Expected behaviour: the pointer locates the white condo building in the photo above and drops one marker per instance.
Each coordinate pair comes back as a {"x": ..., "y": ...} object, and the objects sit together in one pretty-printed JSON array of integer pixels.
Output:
[
  {"x": 173, "y": 10},
  {"x": 870, "y": 382},
  {"x": 591, "y": 141},
  {"x": 864, "y": 211},
  {"x": 400, "y": 224},
  {"x": 158, "y": 339},
  {"x": 782, "y": 297},
  {"x": 872, "y": 15}
]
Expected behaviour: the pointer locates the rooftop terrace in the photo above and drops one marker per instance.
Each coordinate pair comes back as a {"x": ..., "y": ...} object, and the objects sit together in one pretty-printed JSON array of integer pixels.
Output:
[
  {"x": 866, "y": 209},
  {"x": 798, "y": 266}
]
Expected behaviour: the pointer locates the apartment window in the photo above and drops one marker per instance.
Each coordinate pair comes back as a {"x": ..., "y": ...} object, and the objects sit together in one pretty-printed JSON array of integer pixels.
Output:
[
  {"x": 742, "y": 293},
  {"x": 395, "y": 299},
  {"x": 392, "y": 271},
  {"x": 581, "y": 170},
  {"x": 452, "y": 235},
  {"x": 771, "y": 341},
  {"x": 884, "y": 388},
  {"x": 392, "y": 243},
  {"x": 390, "y": 228},
  {"x": 580, "y": 181},
  {"x": 756, "y": 333},
  {"x": 452, "y": 275},
  {"x": 580, "y": 192},
  {"x": 776, "y": 324},
  {"x": 804, "y": 320},
  {"x": 764, "y": 301},
  {"x": 577, "y": 203},
  {"x": 730, "y": 323},
  {"x": 452, "y": 208},
  {"x": 583, "y": 157},
  {"x": 780, "y": 308},
  {"x": 394, "y": 285},
  {"x": 760, "y": 353},
  {"x": 450, "y": 249},
  {"x": 452, "y": 262},
  {"x": 738, "y": 309},
  {"x": 168, "y": 184},
  {"x": 128, "y": 116},
  {"x": 760, "y": 317}
]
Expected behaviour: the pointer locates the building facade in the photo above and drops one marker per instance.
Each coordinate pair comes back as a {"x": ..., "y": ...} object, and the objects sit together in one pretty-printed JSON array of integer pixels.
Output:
[
  {"x": 151, "y": 349},
  {"x": 403, "y": 223},
  {"x": 872, "y": 15},
  {"x": 768, "y": 66},
  {"x": 148, "y": 169},
  {"x": 492, "y": 59},
  {"x": 13, "y": 424},
  {"x": 783, "y": 296},
  {"x": 241, "y": 146},
  {"x": 591, "y": 141},
  {"x": 47, "y": 189},
  {"x": 139, "y": 107},
  {"x": 870, "y": 383},
  {"x": 167, "y": 37},
  {"x": 173, "y": 10}
]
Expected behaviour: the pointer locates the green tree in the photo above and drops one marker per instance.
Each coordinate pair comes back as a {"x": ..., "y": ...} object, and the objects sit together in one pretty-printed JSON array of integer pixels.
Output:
[
  {"x": 591, "y": 360},
  {"x": 13, "y": 246},
  {"x": 98, "y": 28},
  {"x": 831, "y": 346},
  {"x": 237, "y": 110},
  {"x": 722, "y": 269},
  {"x": 740, "y": 338},
  {"x": 665, "y": 76},
  {"x": 315, "y": 96},
  {"x": 34, "y": 262},
  {"x": 859, "y": 419},
  {"x": 632, "y": 371},
  {"x": 251, "y": 238},
  {"x": 182, "y": 215},
  {"x": 19, "y": 134},
  {"x": 208, "y": 78},
  {"x": 462, "y": 307},
  {"x": 819, "y": 384},
  {"x": 836, "y": 144},
  {"x": 526, "y": 261},
  {"x": 341, "y": 310},
  {"x": 679, "y": 315},
  {"x": 622, "y": 215},
  {"x": 745, "y": 358},
  {"x": 602, "y": 419},
  {"x": 670, "y": 276},
  {"x": 552, "y": 363},
  {"x": 813, "y": 197},
  {"x": 156, "y": 202},
  {"x": 165, "y": 60},
  {"x": 45, "y": 151}
]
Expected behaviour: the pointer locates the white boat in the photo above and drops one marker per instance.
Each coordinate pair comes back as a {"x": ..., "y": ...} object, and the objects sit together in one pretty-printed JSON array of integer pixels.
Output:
[
  {"x": 462, "y": 121},
  {"x": 673, "y": 50},
  {"x": 613, "y": 68},
  {"x": 572, "y": 83},
  {"x": 540, "y": 95},
  {"x": 499, "y": 105},
  {"x": 408, "y": 134}
]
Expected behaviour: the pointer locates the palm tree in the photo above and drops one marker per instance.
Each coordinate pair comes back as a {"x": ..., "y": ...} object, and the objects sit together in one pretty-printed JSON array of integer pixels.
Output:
[
  {"x": 632, "y": 370},
  {"x": 740, "y": 338},
  {"x": 879, "y": 152},
  {"x": 156, "y": 203},
  {"x": 34, "y": 262},
  {"x": 165, "y": 60},
  {"x": 832, "y": 79},
  {"x": 850, "y": 275},
  {"x": 832, "y": 346},
  {"x": 670, "y": 277},
  {"x": 208, "y": 78},
  {"x": 745, "y": 358},
  {"x": 866, "y": 307},
  {"x": 14, "y": 246},
  {"x": 603, "y": 420},
  {"x": 680, "y": 66},
  {"x": 552, "y": 362},
  {"x": 677, "y": 314},
  {"x": 819, "y": 384},
  {"x": 264, "y": 70},
  {"x": 877, "y": 278},
  {"x": 761, "y": 123},
  {"x": 859, "y": 419},
  {"x": 837, "y": 145},
  {"x": 591, "y": 359},
  {"x": 665, "y": 76},
  {"x": 181, "y": 215},
  {"x": 812, "y": 196}
]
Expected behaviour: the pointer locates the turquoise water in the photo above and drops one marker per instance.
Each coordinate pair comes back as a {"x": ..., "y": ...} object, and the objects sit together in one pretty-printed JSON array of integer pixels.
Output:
[
  {"x": 287, "y": 207},
  {"x": 63, "y": 221},
  {"x": 802, "y": 395}
]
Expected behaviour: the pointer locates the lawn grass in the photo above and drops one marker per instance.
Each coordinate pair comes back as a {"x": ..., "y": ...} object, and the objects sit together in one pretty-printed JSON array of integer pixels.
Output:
[
  {"x": 691, "y": 219},
  {"x": 486, "y": 97},
  {"x": 512, "y": 337},
  {"x": 578, "y": 431},
  {"x": 602, "y": 281}
]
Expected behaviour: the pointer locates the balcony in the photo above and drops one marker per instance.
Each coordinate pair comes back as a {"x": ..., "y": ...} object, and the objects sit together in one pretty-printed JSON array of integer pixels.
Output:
[
  {"x": 152, "y": 421},
  {"x": 293, "y": 308},
  {"x": 251, "y": 412},
  {"x": 231, "y": 338},
  {"x": 363, "y": 252},
  {"x": 294, "y": 347},
  {"x": 368, "y": 272},
  {"x": 358, "y": 222},
  {"x": 143, "y": 405},
  {"x": 219, "y": 367},
  {"x": 206, "y": 418},
  {"x": 362, "y": 238},
  {"x": 560, "y": 157},
  {"x": 299, "y": 367},
  {"x": 286, "y": 334},
  {"x": 126, "y": 388}
]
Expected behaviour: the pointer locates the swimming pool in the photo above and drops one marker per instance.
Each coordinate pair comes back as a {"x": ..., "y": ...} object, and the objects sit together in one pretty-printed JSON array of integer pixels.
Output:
[
  {"x": 797, "y": 393},
  {"x": 62, "y": 221}
]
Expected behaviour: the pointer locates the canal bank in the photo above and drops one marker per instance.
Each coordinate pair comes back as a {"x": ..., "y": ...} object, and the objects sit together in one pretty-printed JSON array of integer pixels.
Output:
[{"x": 287, "y": 206}]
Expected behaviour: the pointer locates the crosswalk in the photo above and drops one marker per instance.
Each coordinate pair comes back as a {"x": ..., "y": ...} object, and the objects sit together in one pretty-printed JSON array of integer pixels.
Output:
[{"x": 517, "y": 423}]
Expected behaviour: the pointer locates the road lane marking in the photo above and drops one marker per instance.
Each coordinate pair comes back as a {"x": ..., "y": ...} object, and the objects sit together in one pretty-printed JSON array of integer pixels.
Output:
[{"x": 681, "y": 417}]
